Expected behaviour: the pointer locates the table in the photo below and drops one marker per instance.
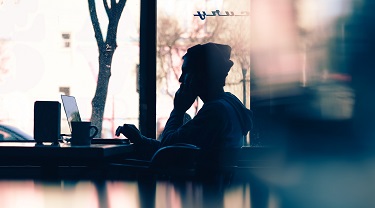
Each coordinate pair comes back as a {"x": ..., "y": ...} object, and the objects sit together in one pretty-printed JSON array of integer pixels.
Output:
[{"x": 50, "y": 158}]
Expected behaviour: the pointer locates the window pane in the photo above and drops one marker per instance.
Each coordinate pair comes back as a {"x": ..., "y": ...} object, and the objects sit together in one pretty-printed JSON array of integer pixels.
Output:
[
  {"x": 179, "y": 27},
  {"x": 48, "y": 48}
]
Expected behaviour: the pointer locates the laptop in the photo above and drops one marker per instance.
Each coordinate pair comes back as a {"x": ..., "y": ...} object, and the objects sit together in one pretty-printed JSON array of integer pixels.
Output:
[{"x": 72, "y": 114}]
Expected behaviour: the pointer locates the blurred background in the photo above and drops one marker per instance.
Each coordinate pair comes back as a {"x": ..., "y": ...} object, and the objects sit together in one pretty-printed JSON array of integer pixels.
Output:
[{"x": 310, "y": 75}]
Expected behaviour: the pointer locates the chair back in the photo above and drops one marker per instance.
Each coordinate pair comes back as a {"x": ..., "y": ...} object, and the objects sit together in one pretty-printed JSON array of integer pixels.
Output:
[
  {"x": 189, "y": 161},
  {"x": 219, "y": 162},
  {"x": 176, "y": 160}
]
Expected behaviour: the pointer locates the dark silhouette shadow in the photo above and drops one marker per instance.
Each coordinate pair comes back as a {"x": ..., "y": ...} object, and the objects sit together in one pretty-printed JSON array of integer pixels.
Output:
[{"x": 222, "y": 122}]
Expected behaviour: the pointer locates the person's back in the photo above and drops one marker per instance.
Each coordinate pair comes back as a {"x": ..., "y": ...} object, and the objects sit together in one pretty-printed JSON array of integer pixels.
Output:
[{"x": 221, "y": 123}]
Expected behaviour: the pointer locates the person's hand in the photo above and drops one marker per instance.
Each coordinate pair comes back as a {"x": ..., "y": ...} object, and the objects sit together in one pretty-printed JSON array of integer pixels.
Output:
[
  {"x": 131, "y": 132},
  {"x": 184, "y": 98}
]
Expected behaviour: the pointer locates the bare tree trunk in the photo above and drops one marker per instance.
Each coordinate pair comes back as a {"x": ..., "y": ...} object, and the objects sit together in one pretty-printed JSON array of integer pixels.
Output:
[
  {"x": 106, "y": 48},
  {"x": 100, "y": 98}
]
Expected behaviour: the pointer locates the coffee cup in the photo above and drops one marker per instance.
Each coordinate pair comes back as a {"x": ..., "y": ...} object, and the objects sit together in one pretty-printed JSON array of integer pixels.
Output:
[{"x": 81, "y": 133}]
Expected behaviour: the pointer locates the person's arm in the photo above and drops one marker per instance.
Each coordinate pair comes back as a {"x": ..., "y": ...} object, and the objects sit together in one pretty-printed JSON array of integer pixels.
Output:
[
  {"x": 134, "y": 135},
  {"x": 200, "y": 131},
  {"x": 175, "y": 121}
]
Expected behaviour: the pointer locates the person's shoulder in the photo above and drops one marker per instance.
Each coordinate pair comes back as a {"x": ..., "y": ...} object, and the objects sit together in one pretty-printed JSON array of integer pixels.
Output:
[
  {"x": 215, "y": 111},
  {"x": 217, "y": 105}
]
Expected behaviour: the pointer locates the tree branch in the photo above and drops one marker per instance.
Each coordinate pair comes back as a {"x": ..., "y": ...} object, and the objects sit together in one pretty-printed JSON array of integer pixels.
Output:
[
  {"x": 95, "y": 24},
  {"x": 107, "y": 9},
  {"x": 116, "y": 11},
  {"x": 121, "y": 5},
  {"x": 113, "y": 4}
]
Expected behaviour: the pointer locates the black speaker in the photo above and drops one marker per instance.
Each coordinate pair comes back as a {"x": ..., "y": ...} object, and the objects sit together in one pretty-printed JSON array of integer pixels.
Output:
[{"x": 47, "y": 118}]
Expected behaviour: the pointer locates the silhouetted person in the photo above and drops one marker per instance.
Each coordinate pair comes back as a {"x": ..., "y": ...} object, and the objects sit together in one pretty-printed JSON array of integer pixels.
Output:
[{"x": 221, "y": 123}]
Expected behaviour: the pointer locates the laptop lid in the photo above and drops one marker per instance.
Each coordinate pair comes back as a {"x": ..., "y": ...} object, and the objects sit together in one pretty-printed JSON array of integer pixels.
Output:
[
  {"x": 72, "y": 114},
  {"x": 71, "y": 109}
]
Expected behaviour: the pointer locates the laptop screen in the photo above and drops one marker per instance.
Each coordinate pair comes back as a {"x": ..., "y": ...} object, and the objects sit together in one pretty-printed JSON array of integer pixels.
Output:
[{"x": 71, "y": 109}]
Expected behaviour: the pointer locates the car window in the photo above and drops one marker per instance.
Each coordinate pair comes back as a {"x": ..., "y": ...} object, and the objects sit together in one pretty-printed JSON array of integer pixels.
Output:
[{"x": 5, "y": 136}]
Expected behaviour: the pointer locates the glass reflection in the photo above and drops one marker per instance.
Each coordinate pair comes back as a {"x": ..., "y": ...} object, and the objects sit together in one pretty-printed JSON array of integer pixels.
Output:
[
  {"x": 301, "y": 84},
  {"x": 114, "y": 194}
]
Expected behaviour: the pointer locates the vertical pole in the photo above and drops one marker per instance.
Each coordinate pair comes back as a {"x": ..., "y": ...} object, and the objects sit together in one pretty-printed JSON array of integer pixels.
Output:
[
  {"x": 244, "y": 86},
  {"x": 251, "y": 72},
  {"x": 147, "y": 70}
]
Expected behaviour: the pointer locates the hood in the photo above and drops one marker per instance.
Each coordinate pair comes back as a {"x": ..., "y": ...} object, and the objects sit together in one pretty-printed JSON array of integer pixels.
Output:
[{"x": 245, "y": 115}]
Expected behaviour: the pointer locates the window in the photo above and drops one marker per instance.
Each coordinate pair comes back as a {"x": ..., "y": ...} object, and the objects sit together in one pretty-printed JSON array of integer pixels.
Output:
[
  {"x": 282, "y": 51},
  {"x": 39, "y": 70},
  {"x": 66, "y": 40},
  {"x": 179, "y": 27}
]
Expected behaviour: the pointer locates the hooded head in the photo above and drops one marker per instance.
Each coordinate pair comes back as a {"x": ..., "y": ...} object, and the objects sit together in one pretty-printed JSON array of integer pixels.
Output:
[{"x": 206, "y": 66}]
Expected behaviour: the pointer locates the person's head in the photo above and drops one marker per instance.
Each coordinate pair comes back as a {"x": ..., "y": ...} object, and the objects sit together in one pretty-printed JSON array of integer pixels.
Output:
[{"x": 206, "y": 66}]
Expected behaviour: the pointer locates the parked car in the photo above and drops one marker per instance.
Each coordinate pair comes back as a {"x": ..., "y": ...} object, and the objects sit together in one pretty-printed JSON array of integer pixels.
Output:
[{"x": 10, "y": 133}]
